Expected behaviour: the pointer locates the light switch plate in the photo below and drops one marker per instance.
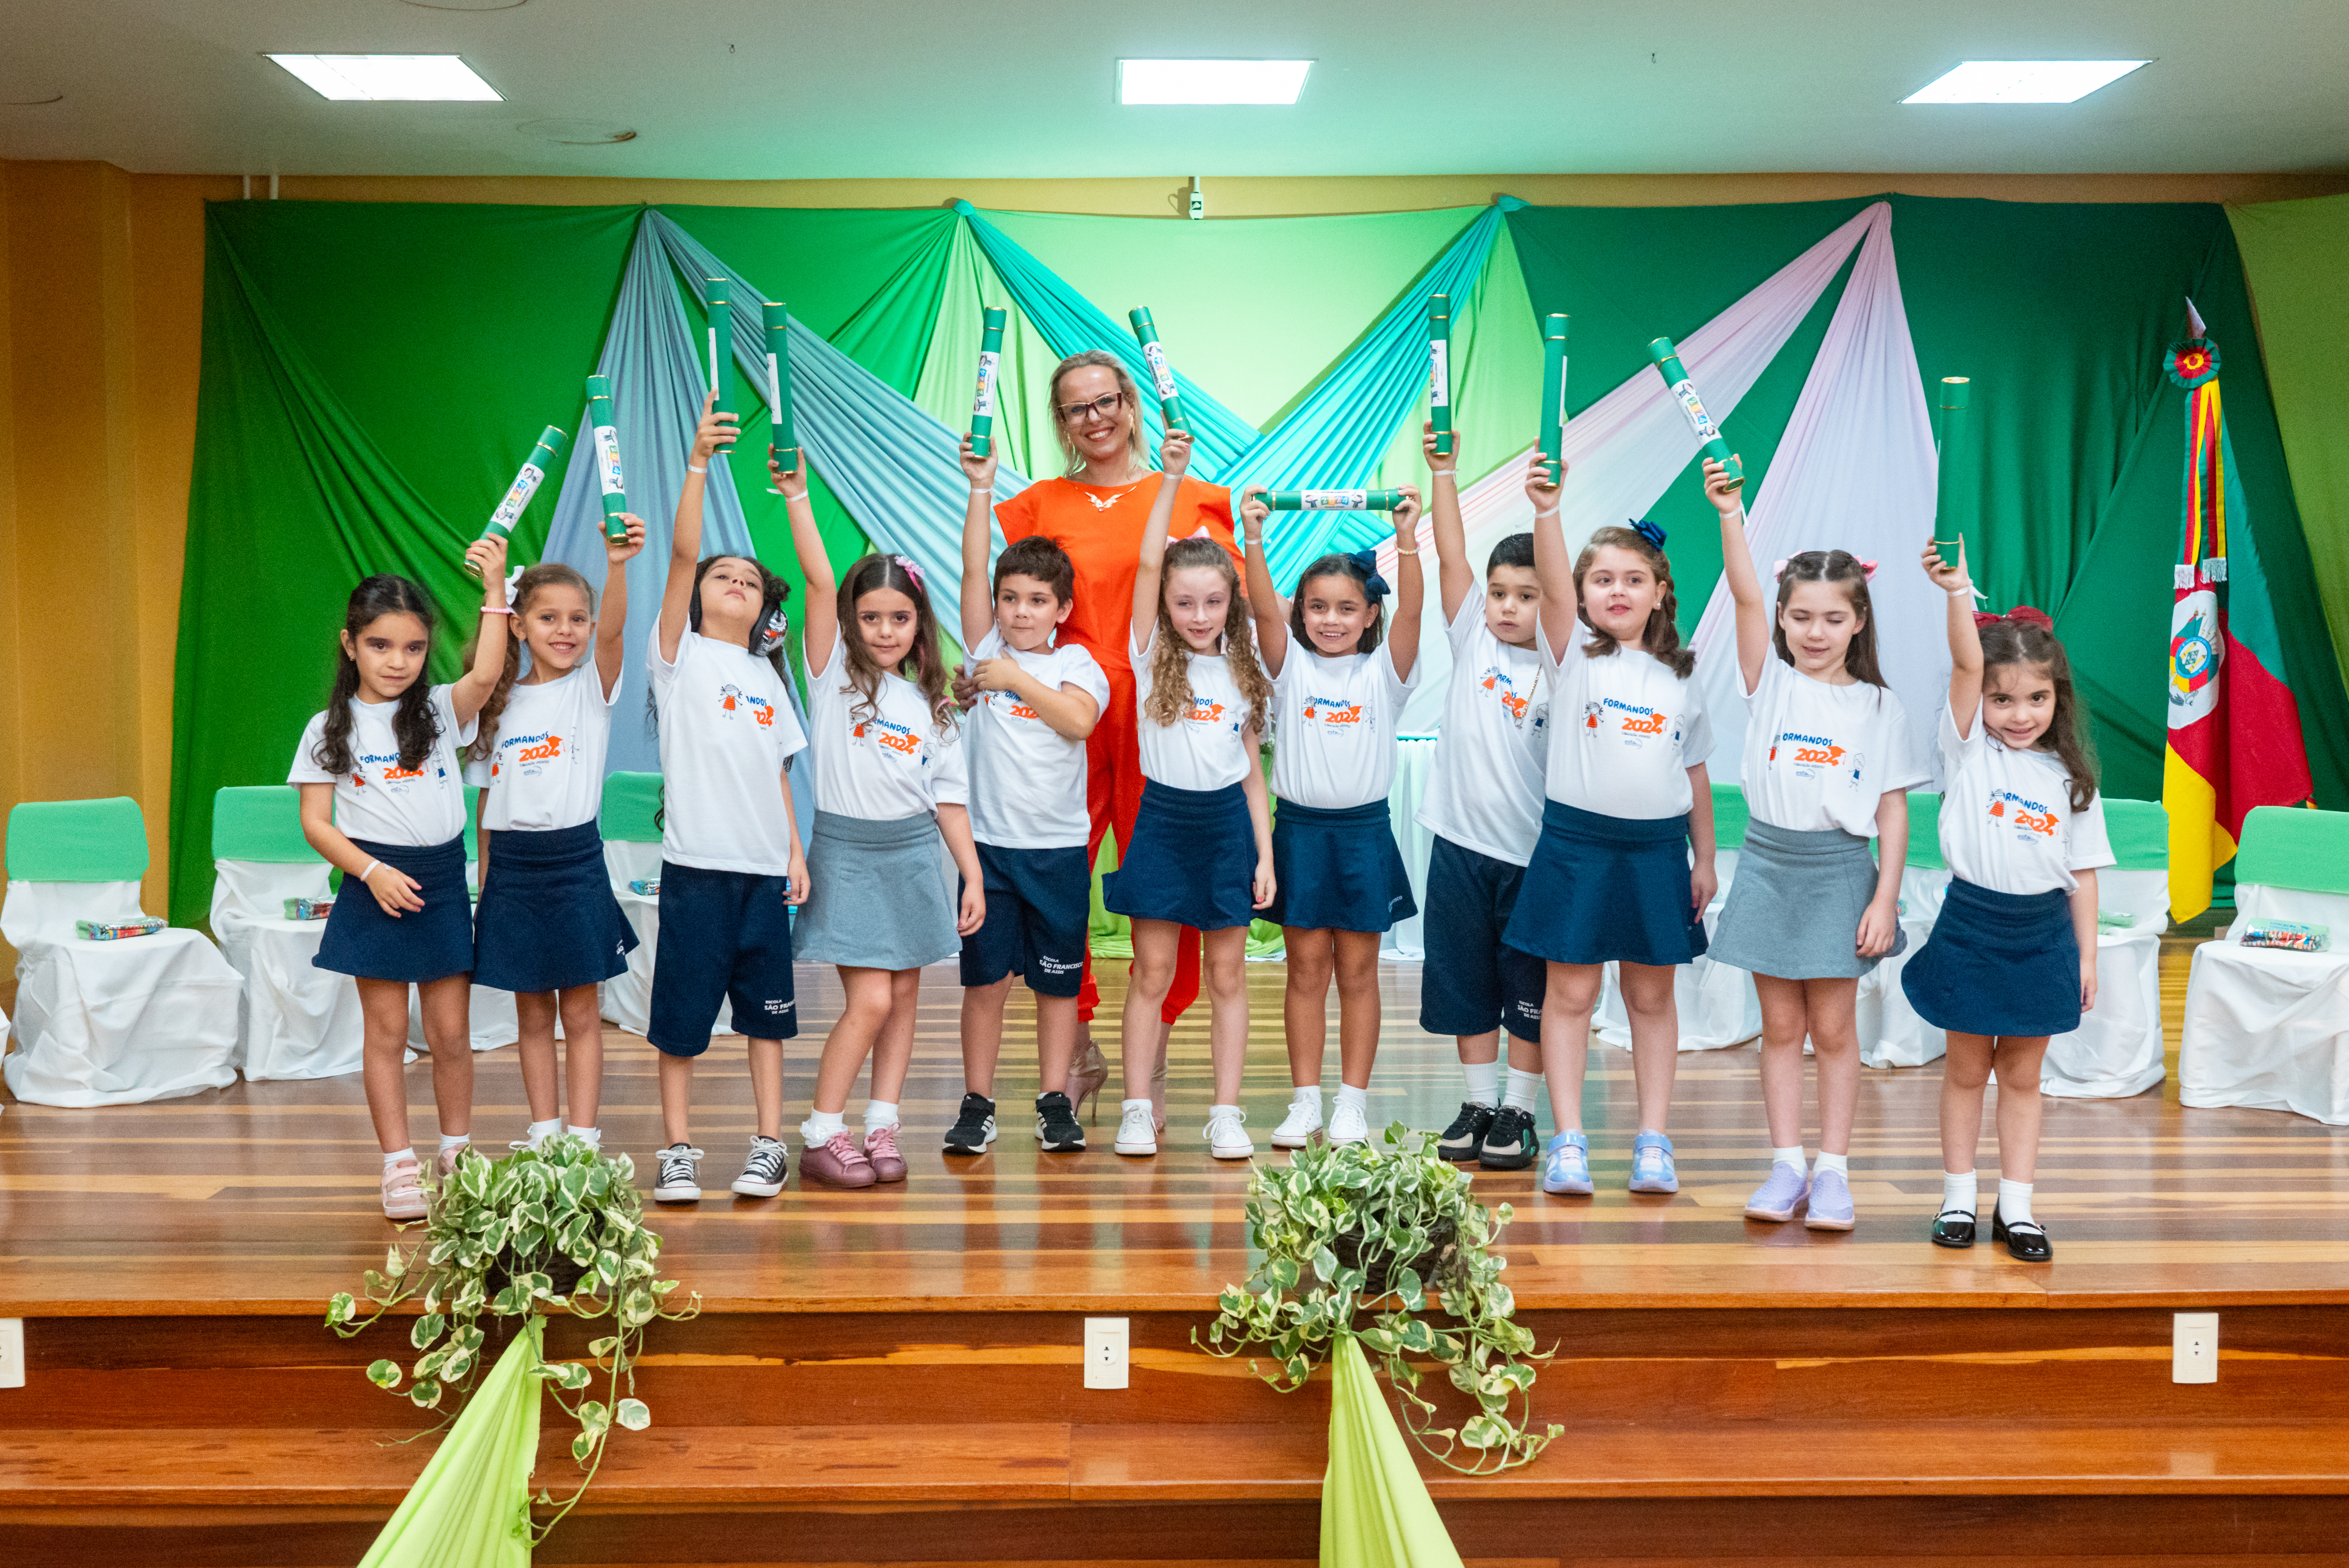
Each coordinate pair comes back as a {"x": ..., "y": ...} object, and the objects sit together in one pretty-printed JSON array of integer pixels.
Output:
[
  {"x": 1105, "y": 1351},
  {"x": 2194, "y": 1347}
]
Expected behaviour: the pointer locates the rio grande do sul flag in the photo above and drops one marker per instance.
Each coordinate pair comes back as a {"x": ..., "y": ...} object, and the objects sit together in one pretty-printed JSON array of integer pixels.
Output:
[{"x": 2234, "y": 727}]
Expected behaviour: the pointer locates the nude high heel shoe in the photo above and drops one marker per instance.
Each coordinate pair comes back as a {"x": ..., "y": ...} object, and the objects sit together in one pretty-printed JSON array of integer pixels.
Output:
[{"x": 1087, "y": 1074}]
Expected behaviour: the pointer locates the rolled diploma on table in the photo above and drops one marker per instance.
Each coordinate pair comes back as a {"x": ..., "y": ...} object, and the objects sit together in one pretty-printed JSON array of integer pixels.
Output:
[
  {"x": 1162, "y": 374},
  {"x": 784, "y": 445},
  {"x": 1551, "y": 435},
  {"x": 509, "y": 512},
  {"x": 605, "y": 424},
  {"x": 1439, "y": 371},
  {"x": 721, "y": 349},
  {"x": 990, "y": 355},
  {"x": 1333, "y": 500},
  {"x": 1708, "y": 434}
]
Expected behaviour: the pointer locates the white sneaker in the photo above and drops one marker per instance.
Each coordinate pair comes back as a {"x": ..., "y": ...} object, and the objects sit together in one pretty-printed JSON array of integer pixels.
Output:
[
  {"x": 1348, "y": 1125},
  {"x": 1137, "y": 1131},
  {"x": 1303, "y": 1120},
  {"x": 1226, "y": 1139}
]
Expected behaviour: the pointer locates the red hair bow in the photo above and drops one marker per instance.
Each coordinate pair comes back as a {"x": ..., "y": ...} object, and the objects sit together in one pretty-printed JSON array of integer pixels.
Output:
[{"x": 2021, "y": 615}]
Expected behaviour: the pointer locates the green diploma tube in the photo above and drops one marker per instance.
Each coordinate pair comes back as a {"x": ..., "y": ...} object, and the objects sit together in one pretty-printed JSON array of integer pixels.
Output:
[
  {"x": 1952, "y": 484},
  {"x": 721, "y": 349},
  {"x": 605, "y": 424},
  {"x": 1162, "y": 374},
  {"x": 784, "y": 448},
  {"x": 990, "y": 355},
  {"x": 543, "y": 457},
  {"x": 1708, "y": 434},
  {"x": 1439, "y": 371},
  {"x": 1551, "y": 435},
  {"x": 1333, "y": 500}
]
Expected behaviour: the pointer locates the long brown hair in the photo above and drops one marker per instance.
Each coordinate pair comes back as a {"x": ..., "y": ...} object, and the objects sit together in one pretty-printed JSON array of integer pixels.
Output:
[
  {"x": 1170, "y": 671},
  {"x": 1845, "y": 570},
  {"x": 546, "y": 573},
  {"x": 870, "y": 575},
  {"x": 1661, "y": 636},
  {"x": 2007, "y": 641},
  {"x": 1137, "y": 442},
  {"x": 413, "y": 723}
]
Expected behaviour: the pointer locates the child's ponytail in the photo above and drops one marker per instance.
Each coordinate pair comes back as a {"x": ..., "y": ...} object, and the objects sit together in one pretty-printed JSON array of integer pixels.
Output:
[{"x": 413, "y": 723}]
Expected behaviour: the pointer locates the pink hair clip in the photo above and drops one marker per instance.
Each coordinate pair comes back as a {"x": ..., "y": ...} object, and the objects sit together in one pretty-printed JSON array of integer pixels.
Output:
[
  {"x": 912, "y": 570},
  {"x": 1777, "y": 569},
  {"x": 1868, "y": 567}
]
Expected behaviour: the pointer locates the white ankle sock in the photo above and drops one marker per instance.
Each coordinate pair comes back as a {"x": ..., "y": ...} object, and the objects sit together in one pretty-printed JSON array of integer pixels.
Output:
[
  {"x": 1216, "y": 1111},
  {"x": 392, "y": 1156},
  {"x": 1360, "y": 1098},
  {"x": 539, "y": 1133},
  {"x": 459, "y": 1140},
  {"x": 593, "y": 1137},
  {"x": 1960, "y": 1192},
  {"x": 821, "y": 1125},
  {"x": 1483, "y": 1080},
  {"x": 2014, "y": 1203},
  {"x": 1790, "y": 1155},
  {"x": 1307, "y": 1094},
  {"x": 1838, "y": 1164},
  {"x": 1523, "y": 1086},
  {"x": 879, "y": 1113}
]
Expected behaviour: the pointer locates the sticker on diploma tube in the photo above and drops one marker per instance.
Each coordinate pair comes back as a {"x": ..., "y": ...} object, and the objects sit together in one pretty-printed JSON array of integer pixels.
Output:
[
  {"x": 517, "y": 499},
  {"x": 1439, "y": 374},
  {"x": 1334, "y": 500},
  {"x": 1162, "y": 374},
  {"x": 607, "y": 460},
  {"x": 984, "y": 405},
  {"x": 1699, "y": 420}
]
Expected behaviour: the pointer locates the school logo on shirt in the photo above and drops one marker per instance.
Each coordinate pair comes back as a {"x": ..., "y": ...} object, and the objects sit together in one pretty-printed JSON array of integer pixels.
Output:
[
  {"x": 1329, "y": 710},
  {"x": 2030, "y": 818},
  {"x": 1634, "y": 724},
  {"x": 1810, "y": 755},
  {"x": 531, "y": 753},
  {"x": 1202, "y": 711},
  {"x": 1498, "y": 681},
  {"x": 733, "y": 699},
  {"x": 897, "y": 738},
  {"x": 389, "y": 770}
]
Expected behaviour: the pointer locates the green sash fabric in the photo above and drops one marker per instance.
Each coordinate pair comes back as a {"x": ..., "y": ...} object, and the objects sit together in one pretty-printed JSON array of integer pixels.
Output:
[
  {"x": 1375, "y": 1510},
  {"x": 470, "y": 1508}
]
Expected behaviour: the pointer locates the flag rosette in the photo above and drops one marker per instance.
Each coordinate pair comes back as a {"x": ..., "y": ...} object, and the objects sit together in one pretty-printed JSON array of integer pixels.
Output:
[{"x": 2191, "y": 362}]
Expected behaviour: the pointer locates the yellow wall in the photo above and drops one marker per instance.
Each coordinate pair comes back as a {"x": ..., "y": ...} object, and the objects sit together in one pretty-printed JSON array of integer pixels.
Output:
[{"x": 101, "y": 291}]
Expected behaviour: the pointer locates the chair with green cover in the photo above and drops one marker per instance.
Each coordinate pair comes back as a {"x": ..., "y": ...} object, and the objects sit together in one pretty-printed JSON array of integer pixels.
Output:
[
  {"x": 490, "y": 1015},
  {"x": 1891, "y": 1035},
  {"x": 1717, "y": 1004},
  {"x": 2118, "y": 1050},
  {"x": 2268, "y": 1028},
  {"x": 300, "y": 1021},
  {"x": 632, "y": 853},
  {"x": 106, "y": 1022}
]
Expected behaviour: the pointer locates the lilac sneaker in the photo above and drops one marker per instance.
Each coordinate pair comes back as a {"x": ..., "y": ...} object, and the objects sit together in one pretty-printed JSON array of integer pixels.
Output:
[
  {"x": 1651, "y": 1164},
  {"x": 1778, "y": 1197},
  {"x": 1831, "y": 1202},
  {"x": 1566, "y": 1167}
]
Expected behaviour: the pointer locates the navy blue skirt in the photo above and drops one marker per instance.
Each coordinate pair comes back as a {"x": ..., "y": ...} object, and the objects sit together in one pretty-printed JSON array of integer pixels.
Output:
[
  {"x": 1192, "y": 860},
  {"x": 1606, "y": 888},
  {"x": 547, "y": 920},
  {"x": 1338, "y": 870},
  {"x": 1998, "y": 964},
  {"x": 419, "y": 945}
]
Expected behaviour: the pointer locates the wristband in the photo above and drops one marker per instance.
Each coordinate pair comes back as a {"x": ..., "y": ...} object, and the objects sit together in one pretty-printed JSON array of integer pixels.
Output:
[
  {"x": 691, "y": 469},
  {"x": 1538, "y": 512},
  {"x": 984, "y": 493},
  {"x": 368, "y": 872},
  {"x": 497, "y": 609},
  {"x": 1965, "y": 593}
]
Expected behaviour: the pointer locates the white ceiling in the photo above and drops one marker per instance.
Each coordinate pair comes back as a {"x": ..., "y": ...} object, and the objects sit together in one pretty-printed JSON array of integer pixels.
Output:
[{"x": 790, "y": 89}]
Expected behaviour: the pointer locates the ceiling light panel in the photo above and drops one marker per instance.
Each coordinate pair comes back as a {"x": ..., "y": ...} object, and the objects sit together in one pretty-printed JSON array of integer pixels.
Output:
[
  {"x": 412, "y": 78},
  {"x": 2023, "y": 81},
  {"x": 1210, "y": 81}
]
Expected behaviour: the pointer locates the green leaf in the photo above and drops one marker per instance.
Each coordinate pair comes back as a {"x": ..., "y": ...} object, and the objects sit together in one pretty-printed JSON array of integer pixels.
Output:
[
  {"x": 341, "y": 1308},
  {"x": 634, "y": 1415},
  {"x": 599, "y": 1348},
  {"x": 384, "y": 1373},
  {"x": 582, "y": 1445},
  {"x": 1484, "y": 1432},
  {"x": 1325, "y": 1263},
  {"x": 425, "y": 1395},
  {"x": 428, "y": 1329}
]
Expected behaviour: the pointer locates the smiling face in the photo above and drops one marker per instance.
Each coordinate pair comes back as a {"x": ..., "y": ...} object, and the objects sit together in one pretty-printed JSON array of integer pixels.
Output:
[
  {"x": 1198, "y": 600},
  {"x": 1027, "y": 611},
  {"x": 885, "y": 620},
  {"x": 389, "y": 651},
  {"x": 1512, "y": 603},
  {"x": 1819, "y": 621},
  {"x": 558, "y": 628},
  {"x": 732, "y": 592},
  {"x": 1335, "y": 612},
  {"x": 1102, "y": 427},
  {"x": 2019, "y": 702},
  {"x": 1619, "y": 592}
]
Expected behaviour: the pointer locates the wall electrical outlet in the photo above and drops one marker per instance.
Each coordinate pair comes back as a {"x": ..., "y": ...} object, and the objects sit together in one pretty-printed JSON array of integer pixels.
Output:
[
  {"x": 12, "y": 1352},
  {"x": 1105, "y": 1347},
  {"x": 2194, "y": 1347}
]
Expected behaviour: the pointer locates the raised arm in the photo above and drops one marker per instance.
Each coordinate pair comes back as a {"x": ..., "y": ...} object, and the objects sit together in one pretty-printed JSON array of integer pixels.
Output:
[
  {"x": 715, "y": 430},
  {"x": 978, "y": 545},
  {"x": 1454, "y": 578},
  {"x": 473, "y": 688},
  {"x": 611, "y": 614},
  {"x": 1265, "y": 604},
  {"x": 820, "y": 616},
  {"x": 1965, "y": 638},
  {"x": 1174, "y": 455},
  {"x": 1737, "y": 570},
  {"x": 1411, "y": 588},
  {"x": 1553, "y": 563}
]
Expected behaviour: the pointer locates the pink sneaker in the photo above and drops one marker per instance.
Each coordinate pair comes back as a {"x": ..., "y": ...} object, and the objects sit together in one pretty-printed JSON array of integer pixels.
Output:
[
  {"x": 837, "y": 1162},
  {"x": 881, "y": 1149},
  {"x": 403, "y": 1191},
  {"x": 444, "y": 1165}
]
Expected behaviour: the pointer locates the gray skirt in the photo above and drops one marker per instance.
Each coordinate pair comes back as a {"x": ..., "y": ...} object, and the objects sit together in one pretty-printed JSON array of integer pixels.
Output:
[
  {"x": 878, "y": 897},
  {"x": 1795, "y": 905}
]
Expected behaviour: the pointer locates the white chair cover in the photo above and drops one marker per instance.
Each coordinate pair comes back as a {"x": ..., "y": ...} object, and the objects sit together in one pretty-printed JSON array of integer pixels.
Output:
[
  {"x": 300, "y": 1021},
  {"x": 2265, "y": 1028},
  {"x": 628, "y": 997},
  {"x": 489, "y": 1014},
  {"x": 1891, "y": 1035},
  {"x": 113, "y": 1022},
  {"x": 2118, "y": 1050},
  {"x": 1717, "y": 1004}
]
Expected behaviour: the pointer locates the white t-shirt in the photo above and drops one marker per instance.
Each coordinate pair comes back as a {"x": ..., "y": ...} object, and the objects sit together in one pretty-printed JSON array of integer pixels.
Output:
[
  {"x": 1820, "y": 756},
  {"x": 725, "y": 731},
  {"x": 1027, "y": 778},
  {"x": 1484, "y": 788},
  {"x": 378, "y": 800},
  {"x": 2007, "y": 822},
  {"x": 1629, "y": 731},
  {"x": 1202, "y": 749},
  {"x": 547, "y": 770},
  {"x": 889, "y": 763},
  {"x": 1334, "y": 727}
]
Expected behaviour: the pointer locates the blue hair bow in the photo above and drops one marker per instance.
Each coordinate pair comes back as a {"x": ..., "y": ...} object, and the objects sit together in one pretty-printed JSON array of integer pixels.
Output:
[
  {"x": 1374, "y": 587},
  {"x": 1648, "y": 531}
]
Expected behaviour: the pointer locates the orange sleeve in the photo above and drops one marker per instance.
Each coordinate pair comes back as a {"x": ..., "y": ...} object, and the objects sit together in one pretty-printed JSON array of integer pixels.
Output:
[{"x": 1018, "y": 515}]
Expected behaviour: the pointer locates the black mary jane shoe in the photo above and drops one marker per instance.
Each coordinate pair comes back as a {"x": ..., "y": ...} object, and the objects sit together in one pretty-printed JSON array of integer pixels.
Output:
[
  {"x": 1953, "y": 1228},
  {"x": 2028, "y": 1242}
]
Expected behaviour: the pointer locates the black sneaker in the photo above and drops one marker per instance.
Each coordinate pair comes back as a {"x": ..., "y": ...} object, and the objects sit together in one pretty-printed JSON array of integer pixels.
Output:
[
  {"x": 762, "y": 1172},
  {"x": 1466, "y": 1136},
  {"x": 974, "y": 1129},
  {"x": 1510, "y": 1144},
  {"x": 1056, "y": 1128}
]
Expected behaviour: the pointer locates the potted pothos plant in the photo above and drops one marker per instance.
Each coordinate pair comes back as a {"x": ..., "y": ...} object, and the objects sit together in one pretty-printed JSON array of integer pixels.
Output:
[
  {"x": 554, "y": 1229},
  {"x": 1385, "y": 1242}
]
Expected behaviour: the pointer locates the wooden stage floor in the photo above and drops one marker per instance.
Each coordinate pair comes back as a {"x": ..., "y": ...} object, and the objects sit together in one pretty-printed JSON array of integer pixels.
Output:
[{"x": 262, "y": 1198}]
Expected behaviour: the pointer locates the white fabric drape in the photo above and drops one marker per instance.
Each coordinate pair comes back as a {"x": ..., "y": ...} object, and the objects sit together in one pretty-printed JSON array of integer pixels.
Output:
[
  {"x": 2266, "y": 1028},
  {"x": 299, "y": 1021},
  {"x": 2118, "y": 1050}
]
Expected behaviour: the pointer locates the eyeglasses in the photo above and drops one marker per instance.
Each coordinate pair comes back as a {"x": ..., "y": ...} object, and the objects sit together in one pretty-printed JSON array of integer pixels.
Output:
[{"x": 1099, "y": 407}]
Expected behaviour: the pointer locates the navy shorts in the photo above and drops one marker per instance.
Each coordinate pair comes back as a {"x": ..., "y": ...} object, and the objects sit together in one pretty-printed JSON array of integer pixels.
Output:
[
  {"x": 1472, "y": 981},
  {"x": 1038, "y": 914},
  {"x": 725, "y": 936}
]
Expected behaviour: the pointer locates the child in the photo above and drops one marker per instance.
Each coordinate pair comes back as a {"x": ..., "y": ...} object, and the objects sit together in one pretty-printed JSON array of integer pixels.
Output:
[
  {"x": 383, "y": 799},
  {"x": 1827, "y": 767},
  {"x": 730, "y": 860},
  {"x": 2013, "y": 957},
  {"x": 1202, "y": 849},
  {"x": 548, "y": 928},
  {"x": 889, "y": 784},
  {"x": 1040, "y": 698},
  {"x": 1340, "y": 881},
  {"x": 1628, "y": 802},
  {"x": 1484, "y": 804}
]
